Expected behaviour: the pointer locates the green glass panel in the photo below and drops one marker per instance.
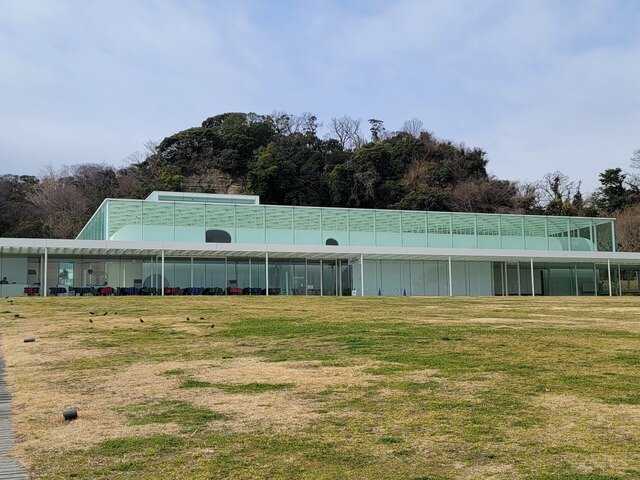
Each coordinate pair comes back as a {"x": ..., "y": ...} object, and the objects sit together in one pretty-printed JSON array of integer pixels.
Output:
[
  {"x": 158, "y": 221},
  {"x": 158, "y": 214},
  {"x": 362, "y": 220},
  {"x": 535, "y": 233},
  {"x": 307, "y": 218},
  {"x": 534, "y": 227},
  {"x": 124, "y": 217},
  {"x": 335, "y": 226},
  {"x": 220, "y": 217},
  {"x": 463, "y": 224},
  {"x": 488, "y": 225},
  {"x": 414, "y": 222},
  {"x": 511, "y": 226},
  {"x": 307, "y": 222},
  {"x": 439, "y": 223},
  {"x": 278, "y": 218},
  {"x": 387, "y": 221},
  {"x": 249, "y": 217},
  {"x": 189, "y": 215}
]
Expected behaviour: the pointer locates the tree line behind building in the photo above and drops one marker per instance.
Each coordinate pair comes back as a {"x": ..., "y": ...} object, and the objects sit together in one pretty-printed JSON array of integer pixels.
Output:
[{"x": 287, "y": 161}]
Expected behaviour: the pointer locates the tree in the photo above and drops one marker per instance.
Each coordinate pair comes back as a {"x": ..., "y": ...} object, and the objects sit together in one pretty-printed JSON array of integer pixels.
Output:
[
  {"x": 555, "y": 193},
  {"x": 413, "y": 127},
  {"x": 484, "y": 196},
  {"x": 628, "y": 229},
  {"x": 309, "y": 123},
  {"x": 347, "y": 131},
  {"x": 59, "y": 203},
  {"x": 613, "y": 196},
  {"x": 377, "y": 129},
  {"x": 17, "y": 213},
  {"x": 635, "y": 164}
]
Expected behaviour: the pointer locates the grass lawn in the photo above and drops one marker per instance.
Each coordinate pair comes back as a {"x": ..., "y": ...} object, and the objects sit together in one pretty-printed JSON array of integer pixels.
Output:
[{"x": 308, "y": 387}]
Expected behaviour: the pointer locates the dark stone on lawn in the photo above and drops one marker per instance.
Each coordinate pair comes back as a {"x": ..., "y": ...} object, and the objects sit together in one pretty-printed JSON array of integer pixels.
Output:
[
  {"x": 141, "y": 321},
  {"x": 17, "y": 315},
  {"x": 70, "y": 414},
  {"x": 29, "y": 339}
]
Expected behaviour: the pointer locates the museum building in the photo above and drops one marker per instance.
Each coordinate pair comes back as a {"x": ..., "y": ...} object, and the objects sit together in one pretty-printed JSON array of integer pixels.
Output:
[{"x": 176, "y": 243}]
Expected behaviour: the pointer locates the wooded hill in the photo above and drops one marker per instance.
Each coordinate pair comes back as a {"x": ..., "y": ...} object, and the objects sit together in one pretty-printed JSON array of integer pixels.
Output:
[{"x": 284, "y": 159}]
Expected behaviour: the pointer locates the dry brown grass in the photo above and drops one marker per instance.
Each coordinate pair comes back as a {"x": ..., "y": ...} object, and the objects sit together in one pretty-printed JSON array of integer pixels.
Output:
[{"x": 444, "y": 388}]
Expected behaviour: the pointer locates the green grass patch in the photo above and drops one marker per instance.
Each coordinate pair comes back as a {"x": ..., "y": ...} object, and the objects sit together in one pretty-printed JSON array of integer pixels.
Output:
[
  {"x": 193, "y": 383},
  {"x": 151, "y": 445},
  {"x": 253, "y": 387},
  {"x": 171, "y": 411}
]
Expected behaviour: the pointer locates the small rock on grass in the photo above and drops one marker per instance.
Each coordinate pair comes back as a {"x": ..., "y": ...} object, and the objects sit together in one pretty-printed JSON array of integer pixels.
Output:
[{"x": 70, "y": 414}]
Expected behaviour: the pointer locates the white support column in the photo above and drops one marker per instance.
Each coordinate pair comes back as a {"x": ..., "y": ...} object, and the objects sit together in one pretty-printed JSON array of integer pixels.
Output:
[
  {"x": 191, "y": 273},
  {"x": 266, "y": 272},
  {"x": 306, "y": 276},
  {"x": 339, "y": 263},
  {"x": 506, "y": 280},
  {"x": 162, "y": 273},
  {"x": 321, "y": 280},
  {"x": 546, "y": 230},
  {"x": 450, "y": 279},
  {"x": 250, "y": 274},
  {"x": 475, "y": 229},
  {"x": 575, "y": 271},
  {"x": 361, "y": 275},
  {"x": 614, "y": 241},
  {"x": 533, "y": 281},
  {"x": 609, "y": 277},
  {"x": 519, "y": 283},
  {"x": 619, "y": 282},
  {"x": 46, "y": 267},
  {"x": 595, "y": 280}
]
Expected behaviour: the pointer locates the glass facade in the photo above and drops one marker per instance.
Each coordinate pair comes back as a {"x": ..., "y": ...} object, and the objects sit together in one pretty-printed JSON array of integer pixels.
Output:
[
  {"x": 199, "y": 221},
  {"x": 21, "y": 275},
  {"x": 170, "y": 217}
]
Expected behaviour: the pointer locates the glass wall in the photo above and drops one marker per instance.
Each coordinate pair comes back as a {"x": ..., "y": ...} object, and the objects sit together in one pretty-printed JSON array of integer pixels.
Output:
[
  {"x": 243, "y": 276},
  {"x": 422, "y": 277},
  {"x": 629, "y": 284},
  {"x": 135, "y": 220},
  {"x": 562, "y": 279}
]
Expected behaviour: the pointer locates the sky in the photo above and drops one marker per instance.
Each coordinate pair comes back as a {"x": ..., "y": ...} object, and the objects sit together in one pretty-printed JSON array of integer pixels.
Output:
[{"x": 539, "y": 85}]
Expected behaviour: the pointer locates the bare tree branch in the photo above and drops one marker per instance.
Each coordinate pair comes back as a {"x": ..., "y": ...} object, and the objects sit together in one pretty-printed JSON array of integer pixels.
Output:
[{"x": 413, "y": 127}]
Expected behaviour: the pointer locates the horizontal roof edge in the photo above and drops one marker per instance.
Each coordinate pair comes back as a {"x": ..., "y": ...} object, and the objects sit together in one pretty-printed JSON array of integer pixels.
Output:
[{"x": 31, "y": 246}]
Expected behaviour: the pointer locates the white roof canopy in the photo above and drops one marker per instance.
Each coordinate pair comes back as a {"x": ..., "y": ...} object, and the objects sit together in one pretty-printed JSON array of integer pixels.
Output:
[{"x": 99, "y": 248}]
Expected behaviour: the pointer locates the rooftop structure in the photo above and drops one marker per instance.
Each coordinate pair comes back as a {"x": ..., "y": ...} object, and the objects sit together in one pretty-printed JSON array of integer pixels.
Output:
[{"x": 184, "y": 217}]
